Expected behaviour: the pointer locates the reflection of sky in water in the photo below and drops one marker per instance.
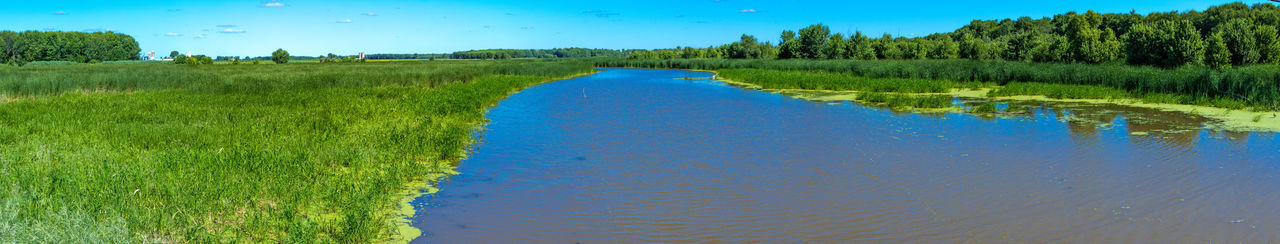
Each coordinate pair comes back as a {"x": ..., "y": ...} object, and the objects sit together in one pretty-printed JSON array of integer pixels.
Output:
[{"x": 646, "y": 156}]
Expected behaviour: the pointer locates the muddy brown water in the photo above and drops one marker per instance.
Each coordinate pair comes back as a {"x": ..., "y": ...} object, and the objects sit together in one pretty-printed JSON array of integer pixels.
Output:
[{"x": 639, "y": 156}]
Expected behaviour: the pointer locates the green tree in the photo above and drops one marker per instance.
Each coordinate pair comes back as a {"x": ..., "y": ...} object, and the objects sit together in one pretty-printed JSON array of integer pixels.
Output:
[
  {"x": 1165, "y": 44},
  {"x": 1238, "y": 35},
  {"x": 747, "y": 47},
  {"x": 887, "y": 48},
  {"x": 9, "y": 49},
  {"x": 835, "y": 47},
  {"x": 174, "y": 54},
  {"x": 1268, "y": 44},
  {"x": 1088, "y": 43},
  {"x": 191, "y": 61},
  {"x": 789, "y": 47},
  {"x": 861, "y": 47},
  {"x": 180, "y": 59},
  {"x": 1050, "y": 48},
  {"x": 206, "y": 60},
  {"x": 945, "y": 49},
  {"x": 280, "y": 56},
  {"x": 1217, "y": 54},
  {"x": 812, "y": 41}
]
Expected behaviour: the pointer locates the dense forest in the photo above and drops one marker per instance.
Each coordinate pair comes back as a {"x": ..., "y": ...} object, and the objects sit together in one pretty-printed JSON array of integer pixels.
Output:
[
  {"x": 18, "y": 48},
  {"x": 1221, "y": 36}
]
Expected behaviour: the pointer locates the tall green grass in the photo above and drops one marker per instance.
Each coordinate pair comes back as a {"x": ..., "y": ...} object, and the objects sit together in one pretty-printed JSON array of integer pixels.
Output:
[
  {"x": 905, "y": 100},
  {"x": 278, "y": 153},
  {"x": 1254, "y": 85},
  {"x": 781, "y": 79},
  {"x": 1059, "y": 91}
]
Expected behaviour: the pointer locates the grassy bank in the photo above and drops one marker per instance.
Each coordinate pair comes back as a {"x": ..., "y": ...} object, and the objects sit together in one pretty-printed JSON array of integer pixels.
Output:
[
  {"x": 1257, "y": 86},
  {"x": 1232, "y": 113},
  {"x": 287, "y": 153}
]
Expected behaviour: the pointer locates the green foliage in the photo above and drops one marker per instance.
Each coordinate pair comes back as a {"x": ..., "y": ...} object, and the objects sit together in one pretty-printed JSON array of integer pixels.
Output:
[
  {"x": 1059, "y": 91},
  {"x": 533, "y": 53},
  {"x": 272, "y": 153},
  {"x": 1163, "y": 39},
  {"x": 747, "y": 47},
  {"x": 33, "y": 46},
  {"x": 987, "y": 108},
  {"x": 813, "y": 40},
  {"x": 280, "y": 56},
  {"x": 912, "y": 101},
  {"x": 180, "y": 59},
  {"x": 1268, "y": 44},
  {"x": 873, "y": 97},
  {"x": 174, "y": 54},
  {"x": 1257, "y": 85},
  {"x": 53, "y": 63},
  {"x": 807, "y": 80},
  {"x": 1165, "y": 44},
  {"x": 1217, "y": 53},
  {"x": 861, "y": 47},
  {"x": 1239, "y": 37},
  {"x": 192, "y": 61}
]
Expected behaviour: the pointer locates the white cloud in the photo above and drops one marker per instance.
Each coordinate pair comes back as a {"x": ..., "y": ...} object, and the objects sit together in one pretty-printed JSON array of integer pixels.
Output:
[
  {"x": 345, "y": 21},
  {"x": 370, "y": 14},
  {"x": 230, "y": 31},
  {"x": 526, "y": 28},
  {"x": 750, "y": 10},
  {"x": 172, "y": 34},
  {"x": 200, "y": 36},
  {"x": 60, "y": 13},
  {"x": 226, "y": 26},
  {"x": 273, "y": 4}
]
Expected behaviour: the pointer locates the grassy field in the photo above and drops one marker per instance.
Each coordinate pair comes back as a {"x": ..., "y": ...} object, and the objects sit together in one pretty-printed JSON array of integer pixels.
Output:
[
  {"x": 1253, "y": 86},
  {"x": 268, "y": 153}
]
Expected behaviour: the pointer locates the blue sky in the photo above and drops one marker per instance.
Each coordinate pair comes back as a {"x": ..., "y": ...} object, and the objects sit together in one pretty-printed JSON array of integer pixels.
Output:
[{"x": 316, "y": 27}]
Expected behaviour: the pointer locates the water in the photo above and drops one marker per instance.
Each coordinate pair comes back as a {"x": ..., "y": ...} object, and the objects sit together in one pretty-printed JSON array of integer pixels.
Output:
[{"x": 636, "y": 156}]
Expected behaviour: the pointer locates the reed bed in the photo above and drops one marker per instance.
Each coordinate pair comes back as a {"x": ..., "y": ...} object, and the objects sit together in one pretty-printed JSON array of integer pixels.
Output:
[
  {"x": 1257, "y": 85},
  {"x": 821, "y": 80},
  {"x": 1059, "y": 91},
  {"x": 271, "y": 153}
]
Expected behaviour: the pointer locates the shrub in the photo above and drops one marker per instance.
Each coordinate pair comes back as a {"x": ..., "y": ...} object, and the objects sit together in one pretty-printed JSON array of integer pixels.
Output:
[{"x": 280, "y": 56}]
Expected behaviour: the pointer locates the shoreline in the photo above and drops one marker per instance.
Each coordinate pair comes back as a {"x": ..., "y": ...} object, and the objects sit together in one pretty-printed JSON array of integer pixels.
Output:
[
  {"x": 1222, "y": 118},
  {"x": 402, "y": 215}
]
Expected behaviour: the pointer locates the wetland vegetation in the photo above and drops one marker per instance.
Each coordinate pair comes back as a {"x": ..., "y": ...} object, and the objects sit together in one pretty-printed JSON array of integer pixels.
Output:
[{"x": 218, "y": 153}]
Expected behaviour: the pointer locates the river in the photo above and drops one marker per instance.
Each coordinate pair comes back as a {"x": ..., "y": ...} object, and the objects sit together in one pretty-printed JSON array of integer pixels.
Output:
[{"x": 639, "y": 156}]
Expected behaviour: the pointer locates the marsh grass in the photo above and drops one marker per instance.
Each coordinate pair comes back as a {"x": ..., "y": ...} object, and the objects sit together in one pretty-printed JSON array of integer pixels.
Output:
[
  {"x": 1256, "y": 86},
  {"x": 1059, "y": 91},
  {"x": 905, "y": 100},
  {"x": 985, "y": 108},
  {"x": 271, "y": 153},
  {"x": 821, "y": 80}
]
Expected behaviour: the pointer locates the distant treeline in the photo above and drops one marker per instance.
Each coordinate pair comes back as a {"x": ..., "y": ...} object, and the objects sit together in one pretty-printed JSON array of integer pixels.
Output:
[
  {"x": 17, "y": 48},
  {"x": 1223, "y": 35},
  {"x": 407, "y": 56},
  {"x": 541, "y": 53}
]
